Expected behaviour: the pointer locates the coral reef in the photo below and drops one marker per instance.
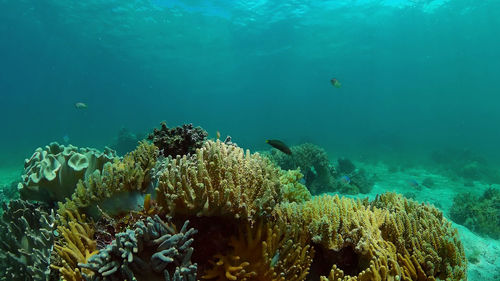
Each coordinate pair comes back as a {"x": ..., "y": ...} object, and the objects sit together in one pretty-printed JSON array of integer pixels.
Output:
[
  {"x": 358, "y": 181},
  {"x": 313, "y": 163},
  {"x": 52, "y": 172},
  {"x": 126, "y": 141},
  {"x": 125, "y": 180},
  {"x": 345, "y": 166},
  {"x": 390, "y": 238},
  {"x": 241, "y": 217},
  {"x": 320, "y": 176},
  {"x": 426, "y": 242},
  {"x": 8, "y": 193},
  {"x": 219, "y": 180},
  {"x": 152, "y": 250},
  {"x": 26, "y": 241},
  {"x": 480, "y": 214},
  {"x": 466, "y": 165},
  {"x": 292, "y": 189},
  {"x": 180, "y": 140}
]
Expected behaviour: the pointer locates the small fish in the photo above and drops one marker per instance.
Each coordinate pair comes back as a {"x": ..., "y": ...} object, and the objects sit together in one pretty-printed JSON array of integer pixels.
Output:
[
  {"x": 281, "y": 146},
  {"x": 66, "y": 139},
  {"x": 275, "y": 258},
  {"x": 81, "y": 105},
  {"x": 413, "y": 183},
  {"x": 345, "y": 179},
  {"x": 335, "y": 83},
  {"x": 218, "y": 135}
]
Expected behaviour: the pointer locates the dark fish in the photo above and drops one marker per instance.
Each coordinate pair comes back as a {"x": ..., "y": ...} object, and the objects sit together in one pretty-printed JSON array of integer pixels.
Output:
[{"x": 281, "y": 146}]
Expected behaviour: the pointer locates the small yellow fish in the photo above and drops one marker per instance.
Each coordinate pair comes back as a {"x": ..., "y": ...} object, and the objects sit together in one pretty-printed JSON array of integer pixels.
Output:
[
  {"x": 81, "y": 105},
  {"x": 218, "y": 135}
]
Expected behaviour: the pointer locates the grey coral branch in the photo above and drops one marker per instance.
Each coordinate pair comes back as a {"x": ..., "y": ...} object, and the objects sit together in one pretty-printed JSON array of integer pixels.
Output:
[
  {"x": 152, "y": 247},
  {"x": 26, "y": 241}
]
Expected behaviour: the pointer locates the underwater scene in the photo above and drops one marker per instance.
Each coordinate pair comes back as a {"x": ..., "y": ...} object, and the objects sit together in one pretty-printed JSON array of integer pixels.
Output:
[{"x": 299, "y": 140}]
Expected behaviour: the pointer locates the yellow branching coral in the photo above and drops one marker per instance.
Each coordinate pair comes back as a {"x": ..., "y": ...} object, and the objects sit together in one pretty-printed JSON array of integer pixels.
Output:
[
  {"x": 219, "y": 180},
  {"x": 75, "y": 245},
  {"x": 389, "y": 239},
  {"x": 262, "y": 252},
  {"x": 331, "y": 221},
  {"x": 130, "y": 174},
  {"x": 292, "y": 189},
  {"x": 423, "y": 238}
]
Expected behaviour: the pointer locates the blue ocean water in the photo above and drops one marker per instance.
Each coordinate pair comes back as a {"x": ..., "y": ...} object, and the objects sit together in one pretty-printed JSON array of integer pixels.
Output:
[{"x": 416, "y": 75}]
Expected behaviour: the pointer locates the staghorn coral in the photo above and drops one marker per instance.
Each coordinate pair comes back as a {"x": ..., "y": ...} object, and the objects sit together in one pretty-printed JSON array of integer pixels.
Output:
[
  {"x": 390, "y": 238},
  {"x": 75, "y": 245},
  {"x": 292, "y": 189},
  {"x": 180, "y": 140},
  {"x": 219, "y": 180},
  {"x": 52, "y": 172},
  {"x": 263, "y": 252},
  {"x": 153, "y": 250},
  {"x": 25, "y": 242},
  {"x": 123, "y": 182}
]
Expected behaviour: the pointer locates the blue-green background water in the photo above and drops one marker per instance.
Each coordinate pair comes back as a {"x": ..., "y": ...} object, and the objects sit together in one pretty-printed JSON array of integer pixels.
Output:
[{"x": 416, "y": 75}]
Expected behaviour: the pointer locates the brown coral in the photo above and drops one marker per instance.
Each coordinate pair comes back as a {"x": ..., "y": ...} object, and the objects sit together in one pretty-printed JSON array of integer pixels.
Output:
[
  {"x": 219, "y": 180},
  {"x": 262, "y": 252},
  {"x": 75, "y": 245}
]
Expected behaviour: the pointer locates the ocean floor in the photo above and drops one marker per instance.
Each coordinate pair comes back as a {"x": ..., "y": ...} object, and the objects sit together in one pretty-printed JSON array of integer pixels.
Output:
[
  {"x": 8, "y": 175},
  {"x": 483, "y": 253}
]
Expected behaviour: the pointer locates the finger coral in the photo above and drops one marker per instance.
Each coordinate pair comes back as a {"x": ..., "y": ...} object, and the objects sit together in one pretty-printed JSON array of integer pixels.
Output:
[
  {"x": 219, "y": 180},
  {"x": 75, "y": 245},
  {"x": 122, "y": 181},
  {"x": 293, "y": 190},
  {"x": 180, "y": 140},
  {"x": 26, "y": 241},
  {"x": 423, "y": 237},
  {"x": 262, "y": 252},
  {"x": 52, "y": 172},
  {"x": 152, "y": 250},
  {"x": 388, "y": 239}
]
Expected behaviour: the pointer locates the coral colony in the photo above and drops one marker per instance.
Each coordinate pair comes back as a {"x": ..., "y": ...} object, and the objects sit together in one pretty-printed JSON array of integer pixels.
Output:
[{"x": 188, "y": 208}]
